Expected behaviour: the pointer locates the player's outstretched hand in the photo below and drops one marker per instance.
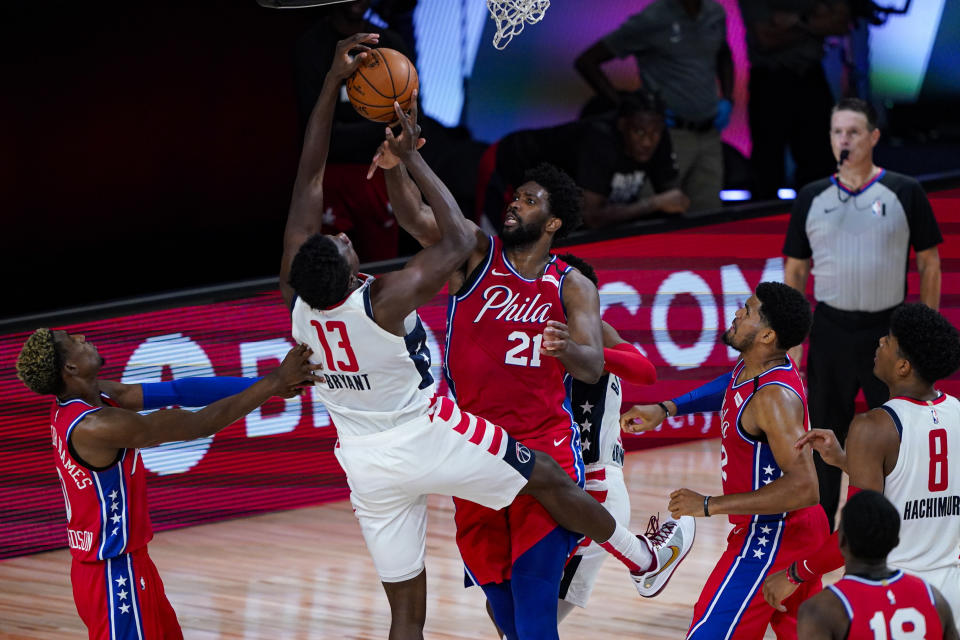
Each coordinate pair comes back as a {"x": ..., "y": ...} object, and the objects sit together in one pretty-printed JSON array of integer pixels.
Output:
[
  {"x": 295, "y": 373},
  {"x": 684, "y": 502},
  {"x": 407, "y": 141},
  {"x": 776, "y": 589},
  {"x": 824, "y": 442},
  {"x": 641, "y": 417},
  {"x": 555, "y": 338},
  {"x": 385, "y": 159},
  {"x": 345, "y": 60}
]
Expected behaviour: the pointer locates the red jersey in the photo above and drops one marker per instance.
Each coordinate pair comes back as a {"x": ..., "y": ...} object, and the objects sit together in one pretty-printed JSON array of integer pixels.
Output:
[
  {"x": 900, "y": 606},
  {"x": 493, "y": 362},
  {"x": 746, "y": 461},
  {"x": 106, "y": 508}
]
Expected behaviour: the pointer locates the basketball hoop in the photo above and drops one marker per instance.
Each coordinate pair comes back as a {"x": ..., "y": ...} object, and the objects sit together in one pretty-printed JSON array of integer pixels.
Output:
[{"x": 511, "y": 15}]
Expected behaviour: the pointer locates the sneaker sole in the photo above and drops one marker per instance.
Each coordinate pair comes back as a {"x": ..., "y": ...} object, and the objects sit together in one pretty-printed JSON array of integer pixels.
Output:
[{"x": 676, "y": 566}]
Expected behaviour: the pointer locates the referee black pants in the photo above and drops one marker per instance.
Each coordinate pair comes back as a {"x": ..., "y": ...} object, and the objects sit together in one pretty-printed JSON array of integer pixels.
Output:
[{"x": 839, "y": 363}]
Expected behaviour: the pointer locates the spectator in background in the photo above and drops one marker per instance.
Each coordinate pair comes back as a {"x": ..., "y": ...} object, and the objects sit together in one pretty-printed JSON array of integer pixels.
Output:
[
  {"x": 611, "y": 157},
  {"x": 858, "y": 227},
  {"x": 681, "y": 51},
  {"x": 790, "y": 99}
]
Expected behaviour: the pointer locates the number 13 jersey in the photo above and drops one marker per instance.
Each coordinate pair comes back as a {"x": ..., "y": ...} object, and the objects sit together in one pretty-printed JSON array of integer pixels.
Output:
[
  {"x": 375, "y": 380},
  {"x": 493, "y": 362}
]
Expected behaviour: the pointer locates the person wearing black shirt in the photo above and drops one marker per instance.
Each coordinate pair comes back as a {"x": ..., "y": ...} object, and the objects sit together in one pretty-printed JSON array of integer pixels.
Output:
[{"x": 611, "y": 157}]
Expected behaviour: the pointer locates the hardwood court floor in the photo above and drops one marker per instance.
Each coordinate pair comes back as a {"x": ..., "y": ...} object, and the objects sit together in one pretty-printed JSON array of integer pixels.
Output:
[{"x": 306, "y": 573}]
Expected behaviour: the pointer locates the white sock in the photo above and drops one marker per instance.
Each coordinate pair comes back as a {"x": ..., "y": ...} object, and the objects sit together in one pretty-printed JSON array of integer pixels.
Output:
[{"x": 629, "y": 550}]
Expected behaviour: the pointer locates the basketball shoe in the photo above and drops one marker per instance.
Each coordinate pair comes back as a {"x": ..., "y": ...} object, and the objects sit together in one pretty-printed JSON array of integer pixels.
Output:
[{"x": 670, "y": 543}]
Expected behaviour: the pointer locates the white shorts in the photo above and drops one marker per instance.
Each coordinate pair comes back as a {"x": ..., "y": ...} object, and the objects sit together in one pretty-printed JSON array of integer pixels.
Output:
[
  {"x": 947, "y": 582},
  {"x": 581, "y": 572},
  {"x": 450, "y": 453}
]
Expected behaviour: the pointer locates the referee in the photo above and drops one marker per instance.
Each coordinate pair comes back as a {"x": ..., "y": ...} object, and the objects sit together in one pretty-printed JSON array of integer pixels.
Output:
[{"x": 856, "y": 228}]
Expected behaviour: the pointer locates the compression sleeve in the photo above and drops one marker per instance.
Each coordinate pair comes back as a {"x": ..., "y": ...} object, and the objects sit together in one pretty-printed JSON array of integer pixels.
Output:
[
  {"x": 827, "y": 557},
  {"x": 192, "y": 392},
  {"x": 707, "y": 397},
  {"x": 626, "y": 361}
]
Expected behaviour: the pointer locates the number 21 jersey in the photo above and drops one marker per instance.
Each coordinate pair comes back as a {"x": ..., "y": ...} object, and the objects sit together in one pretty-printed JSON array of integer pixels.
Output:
[{"x": 493, "y": 362}]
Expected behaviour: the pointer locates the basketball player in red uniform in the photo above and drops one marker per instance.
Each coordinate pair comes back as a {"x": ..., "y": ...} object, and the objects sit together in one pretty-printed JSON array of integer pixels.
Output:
[
  {"x": 902, "y": 449},
  {"x": 519, "y": 320},
  {"x": 769, "y": 487},
  {"x": 96, "y": 434},
  {"x": 874, "y": 601}
]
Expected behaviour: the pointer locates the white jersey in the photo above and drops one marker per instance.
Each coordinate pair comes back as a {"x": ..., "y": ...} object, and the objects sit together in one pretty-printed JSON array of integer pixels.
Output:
[
  {"x": 924, "y": 485},
  {"x": 596, "y": 408},
  {"x": 375, "y": 380}
]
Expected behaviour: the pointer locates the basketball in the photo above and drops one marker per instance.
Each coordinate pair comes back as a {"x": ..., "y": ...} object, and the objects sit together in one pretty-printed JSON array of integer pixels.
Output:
[{"x": 384, "y": 75}]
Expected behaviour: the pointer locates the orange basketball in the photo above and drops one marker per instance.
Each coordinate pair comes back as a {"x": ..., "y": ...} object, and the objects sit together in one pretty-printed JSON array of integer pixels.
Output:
[{"x": 384, "y": 75}]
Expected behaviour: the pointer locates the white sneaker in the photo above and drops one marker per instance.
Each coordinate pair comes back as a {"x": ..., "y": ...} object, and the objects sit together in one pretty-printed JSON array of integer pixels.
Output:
[{"x": 670, "y": 543}]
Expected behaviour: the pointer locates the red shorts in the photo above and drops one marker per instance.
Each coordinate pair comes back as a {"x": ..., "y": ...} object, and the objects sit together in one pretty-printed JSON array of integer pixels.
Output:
[
  {"x": 491, "y": 541},
  {"x": 731, "y": 604},
  {"x": 122, "y": 598}
]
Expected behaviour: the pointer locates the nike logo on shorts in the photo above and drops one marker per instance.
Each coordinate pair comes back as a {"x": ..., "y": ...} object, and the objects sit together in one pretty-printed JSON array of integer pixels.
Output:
[{"x": 559, "y": 442}]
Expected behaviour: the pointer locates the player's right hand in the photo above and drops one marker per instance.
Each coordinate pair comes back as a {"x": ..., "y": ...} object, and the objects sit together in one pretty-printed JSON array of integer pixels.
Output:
[
  {"x": 296, "y": 372},
  {"x": 641, "y": 417},
  {"x": 824, "y": 442},
  {"x": 408, "y": 140},
  {"x": 344, "y": 64},
  {"x": 776, "y": 589}
]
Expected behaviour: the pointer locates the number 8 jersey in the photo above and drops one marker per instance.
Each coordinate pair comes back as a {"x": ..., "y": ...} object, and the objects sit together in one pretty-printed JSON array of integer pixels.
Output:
[
  {"x": 493, "y": 362},
  {"x": 375, "y": 380},
  {"x": 924, "y": 485}
]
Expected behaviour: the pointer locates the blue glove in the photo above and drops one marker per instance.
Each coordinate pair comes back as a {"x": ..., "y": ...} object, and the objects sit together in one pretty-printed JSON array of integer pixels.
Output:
[
  {"x": 668, "y": 118},
  {"x": 724, "y": 109}
]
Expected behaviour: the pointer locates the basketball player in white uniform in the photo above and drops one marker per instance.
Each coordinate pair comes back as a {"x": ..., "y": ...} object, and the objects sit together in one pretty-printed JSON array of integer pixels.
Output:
[
  {"x": 908, "y": 449},
  {"x": 596, "y": 408},
  {"x": 395, "y": 445}
]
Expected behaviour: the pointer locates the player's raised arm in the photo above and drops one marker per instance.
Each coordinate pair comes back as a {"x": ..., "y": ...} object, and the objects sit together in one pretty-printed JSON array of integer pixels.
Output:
[
  {"x": 306, "y": 204},
  {"x": 395, "y": 295}
]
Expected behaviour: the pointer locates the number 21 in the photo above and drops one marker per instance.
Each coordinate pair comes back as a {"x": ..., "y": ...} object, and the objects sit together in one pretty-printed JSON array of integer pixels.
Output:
[{"x": 516, "y": 355}]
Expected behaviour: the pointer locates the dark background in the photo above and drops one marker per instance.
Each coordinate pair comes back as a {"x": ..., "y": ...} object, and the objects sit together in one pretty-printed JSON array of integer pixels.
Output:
[{"x": 143, "y": 147}]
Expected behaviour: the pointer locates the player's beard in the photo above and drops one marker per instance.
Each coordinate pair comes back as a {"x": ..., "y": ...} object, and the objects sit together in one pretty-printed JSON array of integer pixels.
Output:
[
  {"x": 743, "y": 345},
  {"x": 521, "y": 236}
]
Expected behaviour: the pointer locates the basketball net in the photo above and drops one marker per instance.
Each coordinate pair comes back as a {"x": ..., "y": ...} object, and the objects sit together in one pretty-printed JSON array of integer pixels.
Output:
[{"x": 510, "y": 16}]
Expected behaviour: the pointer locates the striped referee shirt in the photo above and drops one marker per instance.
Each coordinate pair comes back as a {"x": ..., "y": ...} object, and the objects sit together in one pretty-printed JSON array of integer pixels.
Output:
[{"x": 860, "y": 240}]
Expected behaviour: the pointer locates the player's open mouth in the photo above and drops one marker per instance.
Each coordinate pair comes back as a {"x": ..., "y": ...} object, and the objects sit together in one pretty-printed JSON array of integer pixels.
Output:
[{"x": 511, "y": 220}]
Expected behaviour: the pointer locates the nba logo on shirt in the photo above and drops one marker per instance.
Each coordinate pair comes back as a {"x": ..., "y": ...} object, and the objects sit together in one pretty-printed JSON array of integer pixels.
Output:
[{"x": 878, "y": 208}]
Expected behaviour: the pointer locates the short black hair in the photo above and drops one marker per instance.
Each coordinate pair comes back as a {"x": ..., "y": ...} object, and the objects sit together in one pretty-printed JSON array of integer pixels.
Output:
[
  {"x": 319, "y": 273},
  {"x": 640, "y": 101},
  {"x": 582, "y": 266},
  {"x": 927, "y": 340},
  {"x": 860, "y": 106},
  {"x": 563, "y": 195},
  {"x": 871, "y": 525},
  {"x": 787, "y": 312}
]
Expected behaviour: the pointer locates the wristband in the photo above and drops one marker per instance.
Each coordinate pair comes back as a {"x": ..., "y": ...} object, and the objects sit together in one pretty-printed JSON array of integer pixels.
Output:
[
  {"x": 792, "y": 576},
  {"x": 706, "y": 506},
  {"x": 664, "y": 407}
]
